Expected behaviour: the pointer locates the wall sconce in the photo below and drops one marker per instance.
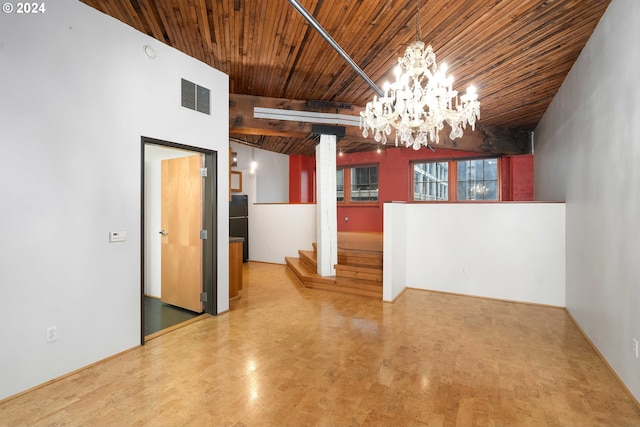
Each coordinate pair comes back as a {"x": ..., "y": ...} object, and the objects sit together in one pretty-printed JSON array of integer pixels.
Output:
[{"x": 234, "y": 159}]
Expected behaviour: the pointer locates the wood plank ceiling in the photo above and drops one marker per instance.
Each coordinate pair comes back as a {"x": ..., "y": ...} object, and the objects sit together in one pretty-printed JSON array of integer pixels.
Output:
[{"x": 516, "y": 52}]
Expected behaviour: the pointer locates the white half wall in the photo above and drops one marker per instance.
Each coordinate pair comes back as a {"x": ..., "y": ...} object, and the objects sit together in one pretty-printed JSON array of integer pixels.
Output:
[
  {"x": 76, "y": 96},
  {"x": 394, "y": 268},
  {"x": 510, "y": 251},
  {"x": 277, "y": 231},
  {"x": 588, "y": 153}
]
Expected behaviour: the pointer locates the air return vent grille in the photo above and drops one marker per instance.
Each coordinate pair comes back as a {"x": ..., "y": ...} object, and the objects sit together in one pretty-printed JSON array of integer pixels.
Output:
[{"x": 195, "y": 97}]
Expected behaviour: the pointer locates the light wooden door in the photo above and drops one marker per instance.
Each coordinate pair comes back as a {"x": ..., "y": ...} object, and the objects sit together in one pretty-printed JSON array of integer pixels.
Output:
[{"x": 181, "y": 220}]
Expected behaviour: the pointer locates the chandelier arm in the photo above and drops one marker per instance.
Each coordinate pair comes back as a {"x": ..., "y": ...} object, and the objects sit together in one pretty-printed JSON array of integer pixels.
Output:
[
  {"x": 316, "y": 25},
  {"x": 419, "y": 103}
]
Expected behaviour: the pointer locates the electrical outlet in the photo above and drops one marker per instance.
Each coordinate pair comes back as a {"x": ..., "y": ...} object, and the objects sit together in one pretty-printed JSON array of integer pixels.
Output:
[
  {"x": 52, "y": 334},
  {"x": 635, "y": 347}
]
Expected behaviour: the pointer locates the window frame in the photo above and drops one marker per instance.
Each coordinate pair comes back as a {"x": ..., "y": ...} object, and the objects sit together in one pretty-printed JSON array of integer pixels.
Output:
[
  {"x": 498, "y": 180},
  {"x": 347, "y": 185},
  {"x": 453, "y": 179},
  {"x": 413, "y": 179}
]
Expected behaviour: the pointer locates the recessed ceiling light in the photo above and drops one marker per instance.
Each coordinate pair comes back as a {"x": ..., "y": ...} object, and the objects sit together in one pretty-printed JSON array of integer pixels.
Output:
[{"x": 149, "y": 52}]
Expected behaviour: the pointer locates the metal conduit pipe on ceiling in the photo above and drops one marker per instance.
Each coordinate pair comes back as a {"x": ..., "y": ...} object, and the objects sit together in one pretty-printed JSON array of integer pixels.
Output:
[{"x": 316, "y": 25}]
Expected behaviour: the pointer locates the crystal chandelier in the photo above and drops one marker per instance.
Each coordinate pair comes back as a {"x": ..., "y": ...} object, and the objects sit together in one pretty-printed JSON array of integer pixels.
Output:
[{"x": 419, "y": 102}]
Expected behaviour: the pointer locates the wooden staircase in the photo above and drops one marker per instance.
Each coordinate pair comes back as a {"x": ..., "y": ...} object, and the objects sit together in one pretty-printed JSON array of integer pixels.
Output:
[{"x": 359, "y": 268}]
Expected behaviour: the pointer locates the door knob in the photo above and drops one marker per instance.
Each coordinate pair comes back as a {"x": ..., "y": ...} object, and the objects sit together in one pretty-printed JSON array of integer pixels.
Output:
[{"x": 163, "y": 232}]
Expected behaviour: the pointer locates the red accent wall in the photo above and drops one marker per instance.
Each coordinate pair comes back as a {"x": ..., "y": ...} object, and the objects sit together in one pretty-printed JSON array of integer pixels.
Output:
[
  {"x": 302, "y": 179},
  {"x": 394, "y": 178},
  {"x": 522, "y": 178}
]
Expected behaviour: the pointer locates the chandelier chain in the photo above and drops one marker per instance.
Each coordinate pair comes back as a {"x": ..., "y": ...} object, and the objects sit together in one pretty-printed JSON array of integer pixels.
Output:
[{"x": 418, "y": 35}]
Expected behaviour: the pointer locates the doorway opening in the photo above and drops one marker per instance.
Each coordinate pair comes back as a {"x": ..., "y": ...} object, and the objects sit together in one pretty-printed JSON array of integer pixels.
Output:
[{"x": 179, "y": 235}]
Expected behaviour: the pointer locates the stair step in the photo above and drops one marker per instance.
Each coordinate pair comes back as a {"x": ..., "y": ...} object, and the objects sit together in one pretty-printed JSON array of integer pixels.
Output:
[
  {"x": 305, "y": 273},
  {"x": 360, "y": 258},
  {"x": 346, "y": 290},
  {"x": 358, "y": 272},
  {"x": 353, "y": 257},
  {"x": 353, "y": 271},
  {"x": 359, "y": 268},
  {"x": 308, "y": 278},
  {"x": 309, "y": 257}
]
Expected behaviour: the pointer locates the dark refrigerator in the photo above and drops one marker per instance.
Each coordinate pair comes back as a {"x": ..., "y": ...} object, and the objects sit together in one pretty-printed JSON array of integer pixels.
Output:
[{"x": 239, "y": 221}]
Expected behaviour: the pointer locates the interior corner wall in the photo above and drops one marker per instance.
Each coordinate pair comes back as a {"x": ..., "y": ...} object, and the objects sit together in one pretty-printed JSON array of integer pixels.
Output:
[
  {"x": 271, "y": 178},
  {"x": 77, "y": 95},
  {"x": 587, "y": 153},
  {"x": 295, "y": 178},
  {"x": 517, "y": 178},
  {"x": 522, "y": 178},
  {"x": 302, "y": 179}
]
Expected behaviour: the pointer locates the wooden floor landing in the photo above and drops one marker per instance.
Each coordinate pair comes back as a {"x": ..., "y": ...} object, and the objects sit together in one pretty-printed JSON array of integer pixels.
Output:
[{"x": 290, "y": 356}]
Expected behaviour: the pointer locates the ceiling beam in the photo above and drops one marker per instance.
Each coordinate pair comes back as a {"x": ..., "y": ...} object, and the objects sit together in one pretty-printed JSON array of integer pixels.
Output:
[{"x": 485, "y": 139}]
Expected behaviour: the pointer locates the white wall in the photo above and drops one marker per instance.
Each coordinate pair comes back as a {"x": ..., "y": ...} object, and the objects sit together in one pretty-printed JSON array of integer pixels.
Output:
[
  {"x": 271, "y": 177},
  {"x": 76, "y": 95},
  {"x": 511, "y": 251},
  {"x": 268, "y": 184},
  {"x": 154, "y": 155},
  {"x": 587, "y": 153},
  {"x": 279, "y": 230},
  {"x": 394, "y": 269}
]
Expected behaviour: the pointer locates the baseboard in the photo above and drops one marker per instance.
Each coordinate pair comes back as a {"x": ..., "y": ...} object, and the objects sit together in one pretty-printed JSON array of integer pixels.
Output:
[
  {"x": 489, "y": 298},
  {"x": 266, "y": 262},
  {"x": 399, "y": 295},
  {"x": 44, "y": 384},
  {"x": 624, "y": 386}
]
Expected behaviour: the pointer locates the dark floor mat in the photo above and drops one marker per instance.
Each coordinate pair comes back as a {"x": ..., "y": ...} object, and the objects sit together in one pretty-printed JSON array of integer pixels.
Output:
[{"x": 159, "y": 316}]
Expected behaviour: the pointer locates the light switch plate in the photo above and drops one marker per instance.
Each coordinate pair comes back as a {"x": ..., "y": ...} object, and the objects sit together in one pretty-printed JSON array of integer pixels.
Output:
[{"x": 117, "y": 236}]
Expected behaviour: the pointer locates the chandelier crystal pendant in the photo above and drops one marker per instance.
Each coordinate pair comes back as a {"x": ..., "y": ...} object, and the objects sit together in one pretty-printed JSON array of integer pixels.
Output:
[{"x": 419, "y": 102}]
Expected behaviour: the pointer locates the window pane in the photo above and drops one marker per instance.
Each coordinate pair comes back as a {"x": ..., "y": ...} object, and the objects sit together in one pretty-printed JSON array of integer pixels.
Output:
[
  {"x": 462, "y": 191},
  {"x": 491, "y": 169},
  {"x": 431, "y": 181},
  {"x": 462, "y": 170},
  {"x": 364, "y": 184},
  {"x": 478, "y": 179},
  {"x": 478, "y": 168},
  {"x": 340, "y": 185},
  {"x": 491, "y": 190}
]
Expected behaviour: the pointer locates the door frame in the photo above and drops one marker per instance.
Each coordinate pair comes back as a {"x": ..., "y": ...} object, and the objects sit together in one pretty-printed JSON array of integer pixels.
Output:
[{"x": 209, "y": 221}]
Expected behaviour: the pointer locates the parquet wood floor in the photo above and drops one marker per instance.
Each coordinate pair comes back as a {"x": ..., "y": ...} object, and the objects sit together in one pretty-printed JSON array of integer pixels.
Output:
[{"x": 289, "y": 356}]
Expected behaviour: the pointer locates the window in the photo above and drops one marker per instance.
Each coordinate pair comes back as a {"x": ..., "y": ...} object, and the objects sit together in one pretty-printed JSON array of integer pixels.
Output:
[
  {"x": 340, "y": 184},
  {"x": 473, "y": 179},
  {"x": 431, "y": 181},
  {"x": 362, "y": 184},
  {"x": 478, "y": 179}
]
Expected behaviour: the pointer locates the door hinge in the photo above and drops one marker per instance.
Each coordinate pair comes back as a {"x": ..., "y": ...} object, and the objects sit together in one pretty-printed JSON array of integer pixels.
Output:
[
  {"x": 203, "y": 297},
  {"x": 203, "y": 234},
  {"x": 203, "y": 172}
]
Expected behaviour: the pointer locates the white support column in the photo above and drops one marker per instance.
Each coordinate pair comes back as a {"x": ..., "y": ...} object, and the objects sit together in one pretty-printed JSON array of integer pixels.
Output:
[{"x": 326, "y": 205}]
